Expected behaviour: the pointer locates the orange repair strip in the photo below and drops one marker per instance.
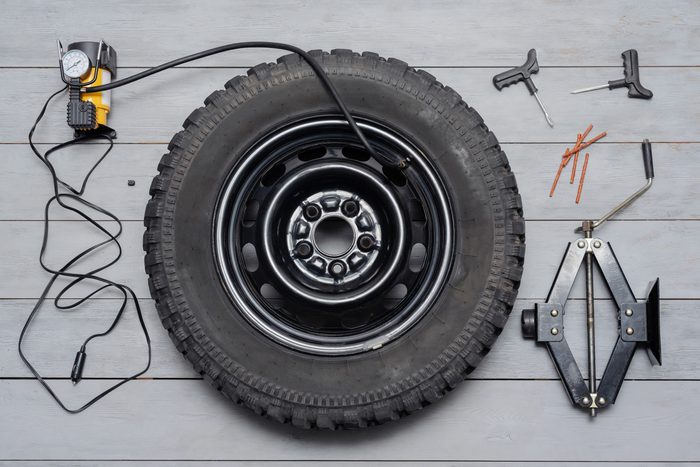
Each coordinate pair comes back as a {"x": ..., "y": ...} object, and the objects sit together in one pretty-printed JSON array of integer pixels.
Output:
[
  {"x": 583, "y": 176},
  {"x": 573, "y": 168},
  {"x": 556, "y": 178},
  {"x": 588, "y": 130}
]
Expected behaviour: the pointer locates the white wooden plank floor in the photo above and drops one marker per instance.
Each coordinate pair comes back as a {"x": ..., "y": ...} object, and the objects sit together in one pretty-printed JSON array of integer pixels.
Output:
[{"x": 513, "y": 410}]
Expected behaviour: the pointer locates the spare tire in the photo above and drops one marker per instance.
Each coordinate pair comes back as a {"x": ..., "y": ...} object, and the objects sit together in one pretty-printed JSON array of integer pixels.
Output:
[{"x": 312, "y": 283}]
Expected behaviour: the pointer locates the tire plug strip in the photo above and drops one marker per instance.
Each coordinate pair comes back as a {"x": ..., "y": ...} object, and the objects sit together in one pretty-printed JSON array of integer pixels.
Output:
[
  {"x": 573, "y": 168},
  {"x": 569, "y": 154},
  {"x": 562, "y": 164},
  {"x": 583, "y": 176},
  {"x": 585, "y": 133},
  {"x": 565, "y": 160}
]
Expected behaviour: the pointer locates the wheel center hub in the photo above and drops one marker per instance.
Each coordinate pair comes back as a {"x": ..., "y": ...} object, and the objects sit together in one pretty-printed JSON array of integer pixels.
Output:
[{"x": 334, "y": 237}]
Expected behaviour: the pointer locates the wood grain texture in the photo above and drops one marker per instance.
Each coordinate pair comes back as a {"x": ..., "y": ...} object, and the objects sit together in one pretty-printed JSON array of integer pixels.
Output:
[
  {"x": 645, "y": 249},
  {"x": 445, "y": 32},
  {"x": 147, "y": 111},
  {"x": 482, "y": 420},
  {"x": 55, "y": 336},
  {"x": 615, "y": 170}
]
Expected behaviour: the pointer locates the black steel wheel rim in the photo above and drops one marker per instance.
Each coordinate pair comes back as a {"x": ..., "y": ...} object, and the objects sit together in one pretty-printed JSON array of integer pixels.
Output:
[{"x": 326, "y": 250}]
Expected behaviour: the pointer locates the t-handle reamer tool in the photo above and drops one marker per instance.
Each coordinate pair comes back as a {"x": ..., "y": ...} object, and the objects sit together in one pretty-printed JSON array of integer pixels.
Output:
[
  {"x": 630, "y": 61},
  {"x": 522, "y": 73}
]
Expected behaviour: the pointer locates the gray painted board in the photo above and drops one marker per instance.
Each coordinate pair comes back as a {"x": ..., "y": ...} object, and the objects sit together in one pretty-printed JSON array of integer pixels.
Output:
[
  {"x": 444, "y": 33},
  {"x": 480, "y": 420},
  {"x": 614, "y": 170},
  {"x": 645, "y": 249},
  {"x": 147, "y": 112},
  {"x": 297, "y": 463},
  {"x": 54, "y": 336},
  {"x": 314, "y": 463}
]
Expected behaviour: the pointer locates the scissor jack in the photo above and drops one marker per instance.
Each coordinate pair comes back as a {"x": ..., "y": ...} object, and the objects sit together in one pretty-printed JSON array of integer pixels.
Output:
[{"x": 638, "y": 322}]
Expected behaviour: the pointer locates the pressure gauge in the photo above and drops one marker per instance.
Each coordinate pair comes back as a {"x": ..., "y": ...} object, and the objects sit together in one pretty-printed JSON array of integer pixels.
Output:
[{"x": 75, "y": 63}]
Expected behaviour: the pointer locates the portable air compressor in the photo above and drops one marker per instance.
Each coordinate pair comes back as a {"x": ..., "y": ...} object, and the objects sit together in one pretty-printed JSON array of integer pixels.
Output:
[{"x": 83, "y": 65}]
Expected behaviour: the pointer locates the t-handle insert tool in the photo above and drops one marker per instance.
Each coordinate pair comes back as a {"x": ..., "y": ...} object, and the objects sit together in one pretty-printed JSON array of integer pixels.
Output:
[
  {"x": 638, "y": 322},
  {"x": 522, "y": 73},
  {"x": 630, "y": 61}
]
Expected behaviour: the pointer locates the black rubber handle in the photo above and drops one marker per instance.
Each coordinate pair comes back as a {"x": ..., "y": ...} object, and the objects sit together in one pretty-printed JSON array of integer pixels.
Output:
[
  {"x": 520, "y": 73},
  {"x": 630, "y": 60},
  {"x": 648, "y": 161}
]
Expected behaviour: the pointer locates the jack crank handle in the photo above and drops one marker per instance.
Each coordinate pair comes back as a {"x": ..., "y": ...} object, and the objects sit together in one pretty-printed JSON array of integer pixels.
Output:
[{"x": 649, "y": 173}]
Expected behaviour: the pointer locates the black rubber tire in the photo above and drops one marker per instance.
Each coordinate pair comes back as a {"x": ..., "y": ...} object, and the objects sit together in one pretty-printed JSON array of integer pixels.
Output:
[{"x": 369, "y": 388}]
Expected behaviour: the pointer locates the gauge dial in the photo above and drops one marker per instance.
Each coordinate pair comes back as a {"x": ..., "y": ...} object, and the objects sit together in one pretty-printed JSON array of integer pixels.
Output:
[{"x": 75, "y": 63}]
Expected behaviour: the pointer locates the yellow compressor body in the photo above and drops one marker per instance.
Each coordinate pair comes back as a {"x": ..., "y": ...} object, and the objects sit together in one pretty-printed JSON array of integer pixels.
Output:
[
  {"x": 87, "y": 65},
  {"x": 101, "y": 100}
]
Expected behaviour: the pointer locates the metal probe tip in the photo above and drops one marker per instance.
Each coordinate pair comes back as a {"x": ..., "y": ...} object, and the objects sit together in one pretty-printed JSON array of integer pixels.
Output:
[
  {"x": 546, "y": 115},
  {"x": 592, "y": 88}
]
